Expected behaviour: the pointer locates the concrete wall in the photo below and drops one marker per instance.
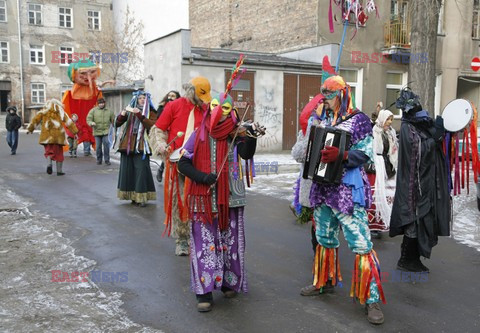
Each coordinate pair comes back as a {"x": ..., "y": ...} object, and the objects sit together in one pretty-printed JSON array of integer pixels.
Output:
[
  {"x": 51, "y": 36},
  {"x": 163, "y": 59},
  {"x": 269, "y": 108}
]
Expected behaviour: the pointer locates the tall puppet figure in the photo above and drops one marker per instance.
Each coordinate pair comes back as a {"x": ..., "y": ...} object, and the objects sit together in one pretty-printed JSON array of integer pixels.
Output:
[
  {"x": 82, "y": 98},
  {"x": 344, "y": 204}
]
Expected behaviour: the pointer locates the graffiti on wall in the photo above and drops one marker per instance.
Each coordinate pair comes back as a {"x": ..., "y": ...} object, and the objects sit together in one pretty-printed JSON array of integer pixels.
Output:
[{"x": 269, "y": 115}]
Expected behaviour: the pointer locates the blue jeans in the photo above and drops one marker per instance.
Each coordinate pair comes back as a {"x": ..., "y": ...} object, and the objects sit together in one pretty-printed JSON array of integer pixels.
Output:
[
  {"x": 12, "y": 140},
  {"x": 86, "y": 147},
  {"x": 102, "y": 140}
]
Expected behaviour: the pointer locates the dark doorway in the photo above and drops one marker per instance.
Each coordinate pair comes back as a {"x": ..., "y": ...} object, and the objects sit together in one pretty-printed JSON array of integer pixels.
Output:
[
  {"x": 243, "y": 93},
  {"x": 4, "y": 100},
  {"x": 298, "y": 90}
]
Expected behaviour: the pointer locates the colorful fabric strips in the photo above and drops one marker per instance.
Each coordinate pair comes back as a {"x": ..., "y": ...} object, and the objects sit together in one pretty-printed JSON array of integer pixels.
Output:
[
  {"x": 326, "y": 266},
  {"x": 366, "y": 268}
]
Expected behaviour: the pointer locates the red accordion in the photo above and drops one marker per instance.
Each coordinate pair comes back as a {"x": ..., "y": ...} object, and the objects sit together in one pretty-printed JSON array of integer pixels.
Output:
[{"x": 321, "y": 137}]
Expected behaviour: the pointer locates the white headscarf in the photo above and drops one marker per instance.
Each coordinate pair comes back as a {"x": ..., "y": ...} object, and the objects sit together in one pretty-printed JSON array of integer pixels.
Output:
[{"x": 378, "y": 129}]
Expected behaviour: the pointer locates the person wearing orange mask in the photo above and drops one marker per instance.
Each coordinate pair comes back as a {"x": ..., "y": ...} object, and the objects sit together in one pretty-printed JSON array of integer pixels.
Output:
[{"x": 182, "y": 115}]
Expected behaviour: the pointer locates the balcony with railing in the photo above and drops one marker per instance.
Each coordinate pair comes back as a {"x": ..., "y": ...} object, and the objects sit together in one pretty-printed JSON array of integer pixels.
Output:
[{"x": 396, "y": 36}]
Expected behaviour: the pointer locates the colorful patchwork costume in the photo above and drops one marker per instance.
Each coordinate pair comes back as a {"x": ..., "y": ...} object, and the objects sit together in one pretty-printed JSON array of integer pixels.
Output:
[{"x": 345, "y": 204}]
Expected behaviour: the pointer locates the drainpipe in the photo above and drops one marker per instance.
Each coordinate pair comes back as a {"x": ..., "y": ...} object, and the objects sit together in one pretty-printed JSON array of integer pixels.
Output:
[{"x": 21, "y": 61}]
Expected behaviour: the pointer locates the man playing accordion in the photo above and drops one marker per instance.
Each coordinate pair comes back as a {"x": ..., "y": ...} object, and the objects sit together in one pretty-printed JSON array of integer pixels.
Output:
[{"x": 345, "y": 203}]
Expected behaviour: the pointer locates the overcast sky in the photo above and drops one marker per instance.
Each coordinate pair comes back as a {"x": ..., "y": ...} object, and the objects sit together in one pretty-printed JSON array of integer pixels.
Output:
[{"x": 159, "y": 17}]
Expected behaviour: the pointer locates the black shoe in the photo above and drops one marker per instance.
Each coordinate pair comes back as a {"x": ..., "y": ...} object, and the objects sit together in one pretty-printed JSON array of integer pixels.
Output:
[
  {"x": 13, "y": 153},
  {"x": 99, "y": 163},
  {"x": 49, "y": 169},
  {"x": 107, "y": 162},
  {"x": 60, "y": 173},
  {"x": 142, "y": 204}
]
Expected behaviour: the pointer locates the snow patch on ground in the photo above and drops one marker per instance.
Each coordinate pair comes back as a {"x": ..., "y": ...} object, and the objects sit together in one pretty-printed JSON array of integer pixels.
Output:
[{"x": 30, "y": 248}]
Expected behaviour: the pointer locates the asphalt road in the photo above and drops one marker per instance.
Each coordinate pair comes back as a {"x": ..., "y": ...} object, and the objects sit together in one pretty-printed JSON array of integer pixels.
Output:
[{"x": 124, "y": 238}]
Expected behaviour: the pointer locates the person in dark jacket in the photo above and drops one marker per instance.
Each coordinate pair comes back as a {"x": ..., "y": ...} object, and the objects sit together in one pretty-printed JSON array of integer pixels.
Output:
[
  {"x": 13, "y": 122},
  {"x": 421, "y": 208}
]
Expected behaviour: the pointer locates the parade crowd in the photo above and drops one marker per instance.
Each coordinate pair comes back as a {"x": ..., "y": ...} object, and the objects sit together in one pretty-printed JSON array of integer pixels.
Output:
[{"x": 386, "y": 184}]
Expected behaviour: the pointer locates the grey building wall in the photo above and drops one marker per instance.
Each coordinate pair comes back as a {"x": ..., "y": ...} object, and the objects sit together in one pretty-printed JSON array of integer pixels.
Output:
[{"x": 50, "y": 35}]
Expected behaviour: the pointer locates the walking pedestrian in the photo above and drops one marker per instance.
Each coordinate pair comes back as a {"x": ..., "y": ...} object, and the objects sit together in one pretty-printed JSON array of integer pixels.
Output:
[
  {"x": 52, "y": 135},
  {"x": 13, "y": 122},
  {"x": 135, "y": 180},
  {"x": 100, "y": 119},
  {"x": 182, "y": 115}
]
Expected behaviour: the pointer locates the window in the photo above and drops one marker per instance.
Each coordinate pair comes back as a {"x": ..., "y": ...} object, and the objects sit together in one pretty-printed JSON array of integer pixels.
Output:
[
  {"x": 38, "y": 93},
  {"x": 34, "y": 14},
  {"x": 37, "y": 53},
  {"x": 64, "y": 88},
  {"x": 352, "y": 78},
  {"x": 4, "y": 52},
  {"x": 65, "y": 17},
  {"x": 3, "y": 11},
  {"x": 476, "y": 19},
  {"x": 94, "y": 20},
  {"x": 395, "y": 83},
  {"x": 66, "y": 55}
]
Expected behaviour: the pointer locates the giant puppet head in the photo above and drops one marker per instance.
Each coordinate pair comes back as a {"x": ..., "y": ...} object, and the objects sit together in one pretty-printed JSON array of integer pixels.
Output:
[{"x": 83, "y": 74}]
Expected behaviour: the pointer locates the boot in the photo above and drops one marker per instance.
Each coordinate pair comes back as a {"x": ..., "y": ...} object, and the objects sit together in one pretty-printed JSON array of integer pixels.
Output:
[
  {"x": 228, "y": 293},
  {"x": 204, "y": 302},
  {"x": 49, "y": 166},
  {"x": 374, "y": 313},
  {"x": 311, "y": 290},
  {"x": 59, "y": 169},
  {"x": 410, "y": 258}
]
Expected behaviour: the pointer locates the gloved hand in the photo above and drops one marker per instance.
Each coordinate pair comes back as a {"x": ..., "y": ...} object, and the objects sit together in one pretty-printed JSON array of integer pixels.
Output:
[
  {"x": 330, "y": 154},
  {"x": 439, "y": 129},
  {"x": 209, "y": 179}
]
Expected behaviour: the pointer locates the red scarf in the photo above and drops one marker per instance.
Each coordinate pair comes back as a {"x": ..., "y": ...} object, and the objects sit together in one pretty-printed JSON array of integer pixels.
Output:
[{"x": 199, "y": 196}]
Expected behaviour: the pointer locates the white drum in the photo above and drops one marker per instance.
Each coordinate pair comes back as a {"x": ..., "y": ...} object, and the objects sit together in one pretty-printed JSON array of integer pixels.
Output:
[
  {"x": 175, "y": 155},
  {"x": 457, "y": 115}
]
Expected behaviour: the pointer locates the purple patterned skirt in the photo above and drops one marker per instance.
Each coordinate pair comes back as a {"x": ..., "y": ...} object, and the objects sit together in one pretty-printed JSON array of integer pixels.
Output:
[{"x": 217, "y": 257}]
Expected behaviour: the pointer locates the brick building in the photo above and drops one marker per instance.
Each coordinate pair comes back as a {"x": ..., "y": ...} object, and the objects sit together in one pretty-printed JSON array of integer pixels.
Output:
[{"x": 294, "y": 28}]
